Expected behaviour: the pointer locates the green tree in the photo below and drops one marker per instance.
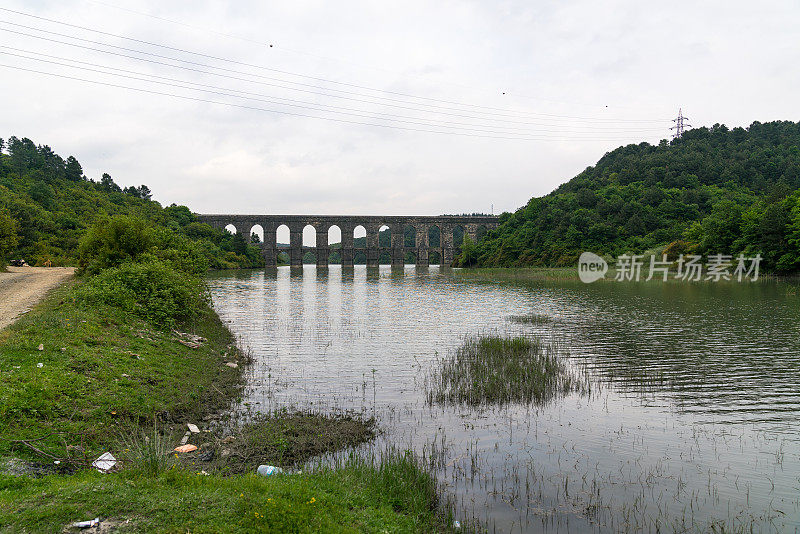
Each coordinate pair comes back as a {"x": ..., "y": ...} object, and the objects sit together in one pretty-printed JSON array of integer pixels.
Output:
[
  {"x": 385, "y": 238},
  {"x": 790, "y": 260},
  {"x": 107, "y": 184},
  {"x": 239, "y": 245},
  {"x": 721, "y": 229},
  {"x": 8, "y": 235},
  {"x": 180, "y": 214},
  {"x": 132, "y": 191},
  {"x": 42, "y": 193},
  {"x": 770, "y": 235},
  {"x": 73, "y": 170},
  {"x": 469, "y": 252},
  {"x": 144, "y": 192}
]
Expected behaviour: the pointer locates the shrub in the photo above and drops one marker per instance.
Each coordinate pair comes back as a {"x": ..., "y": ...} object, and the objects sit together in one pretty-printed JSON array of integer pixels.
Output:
[
  {"x": 179, "y": 252},
  {"x": 113, "y": 242},
  {"x": 152, "y": 290},
  {"x": 125, "y": 239}
]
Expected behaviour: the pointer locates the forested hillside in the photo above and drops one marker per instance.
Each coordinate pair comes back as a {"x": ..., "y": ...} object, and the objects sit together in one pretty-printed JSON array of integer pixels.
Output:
[
  {"x": 714, "y": 190},
  {"x": 47, "y": 205}
]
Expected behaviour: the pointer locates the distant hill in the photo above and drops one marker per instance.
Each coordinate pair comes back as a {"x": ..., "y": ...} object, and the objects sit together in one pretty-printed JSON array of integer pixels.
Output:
[
  {"x": 50, "y": 204},
  {"x": 714, "y": 190}
]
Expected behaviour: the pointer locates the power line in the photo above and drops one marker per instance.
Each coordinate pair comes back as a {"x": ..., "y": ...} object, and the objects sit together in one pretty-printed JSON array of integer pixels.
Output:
[
  {"x": 230, "y": 93},
  {"x": 288, "y": 102},
  {"x": 217, "y": 58},
  {"x": 260, "y": 77},
  {"x": 255, "y": 108},
  {"x": 278, "y": 46}
]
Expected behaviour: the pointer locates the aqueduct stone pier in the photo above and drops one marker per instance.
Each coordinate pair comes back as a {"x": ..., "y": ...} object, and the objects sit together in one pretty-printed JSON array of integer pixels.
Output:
[{"x": 422, "y": 234}]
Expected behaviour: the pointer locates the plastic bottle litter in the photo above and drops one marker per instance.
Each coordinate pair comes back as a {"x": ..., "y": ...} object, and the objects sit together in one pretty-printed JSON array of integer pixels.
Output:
[
  {"x": 193, "y": 428},
  {"x": 87, "y": 524},
  {"x": 105, "y": 462},
  {"x": 267, "y": 470}
]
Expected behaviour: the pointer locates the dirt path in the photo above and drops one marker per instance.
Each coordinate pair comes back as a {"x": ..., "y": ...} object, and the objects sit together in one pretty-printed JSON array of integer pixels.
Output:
[{"x": 22, "y": 287}]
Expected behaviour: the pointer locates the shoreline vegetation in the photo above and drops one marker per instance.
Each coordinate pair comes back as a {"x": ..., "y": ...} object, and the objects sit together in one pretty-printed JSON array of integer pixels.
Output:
[
  {"x": 122, "y": 361},
  {"x": 532, "y": 274},
  {"x": 570, "y": 274}
]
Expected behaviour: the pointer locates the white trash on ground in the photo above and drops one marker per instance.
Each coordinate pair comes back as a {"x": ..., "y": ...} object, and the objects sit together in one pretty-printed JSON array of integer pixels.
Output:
[
  {"x": 193, "y": 428},
  {"x": 267, "y": 470},
  {"x": 105, "y": 462},
  {"x": 87, "y": 524}
]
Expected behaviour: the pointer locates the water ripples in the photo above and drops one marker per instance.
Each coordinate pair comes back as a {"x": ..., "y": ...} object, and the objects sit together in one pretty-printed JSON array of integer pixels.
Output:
[{"x": 695, "y": 409}]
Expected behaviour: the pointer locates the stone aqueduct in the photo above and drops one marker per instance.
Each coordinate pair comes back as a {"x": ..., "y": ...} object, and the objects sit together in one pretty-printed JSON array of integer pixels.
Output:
[{"x": 347, "y": 224}]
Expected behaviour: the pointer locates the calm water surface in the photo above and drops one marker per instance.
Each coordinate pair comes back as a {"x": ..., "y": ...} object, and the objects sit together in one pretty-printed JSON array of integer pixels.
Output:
[{"x": 693, "y": 420}]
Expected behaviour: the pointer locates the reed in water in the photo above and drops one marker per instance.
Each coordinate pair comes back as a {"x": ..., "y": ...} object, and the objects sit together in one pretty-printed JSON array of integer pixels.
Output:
[{"x": 497, "y": 370}]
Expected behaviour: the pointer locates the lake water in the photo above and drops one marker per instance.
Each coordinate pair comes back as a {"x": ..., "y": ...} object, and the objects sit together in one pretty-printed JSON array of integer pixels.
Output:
[{"x": 693, "y": 420}]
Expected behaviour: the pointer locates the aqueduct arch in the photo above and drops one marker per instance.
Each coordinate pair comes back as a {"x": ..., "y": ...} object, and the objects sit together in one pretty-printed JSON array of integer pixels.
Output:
[{"x": 422, "y": 245}]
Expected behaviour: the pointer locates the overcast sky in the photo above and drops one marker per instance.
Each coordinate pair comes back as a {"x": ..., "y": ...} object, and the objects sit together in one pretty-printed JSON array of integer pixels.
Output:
[{"x": 376, "y": 107}]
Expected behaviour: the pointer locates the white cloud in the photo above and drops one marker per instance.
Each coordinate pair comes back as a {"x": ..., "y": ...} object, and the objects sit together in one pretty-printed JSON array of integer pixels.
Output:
[{"x": 730, "y": 62}]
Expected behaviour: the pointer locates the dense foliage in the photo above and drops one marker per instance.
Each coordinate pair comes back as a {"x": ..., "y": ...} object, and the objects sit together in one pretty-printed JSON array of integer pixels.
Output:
[
  {"x": 52, "y": 204},
  {"x": 125, "y": 239},
  {"x": 150, "y": 271},
  {"x": 152, "y": 290},
  {"x": 714, "y": 190},
  {"x": 8, "y": 235}
]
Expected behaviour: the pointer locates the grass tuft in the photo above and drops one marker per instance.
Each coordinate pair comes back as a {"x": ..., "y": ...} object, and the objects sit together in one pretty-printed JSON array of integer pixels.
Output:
[
  {"x": 146, "y": 451},
  {"x": 495, "y": 370}
]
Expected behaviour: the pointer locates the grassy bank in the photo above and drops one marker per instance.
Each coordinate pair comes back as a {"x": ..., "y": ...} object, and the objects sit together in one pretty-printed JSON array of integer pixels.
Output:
[
  {"x": 394, "y": 495},
  {"x": 78, "y": 379},
  {"x": 71, "y": 375}
]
